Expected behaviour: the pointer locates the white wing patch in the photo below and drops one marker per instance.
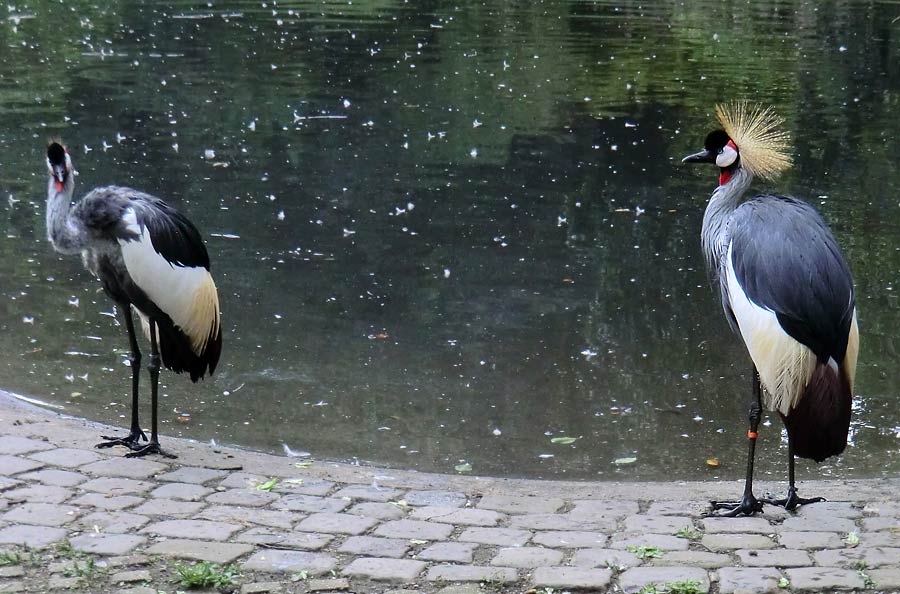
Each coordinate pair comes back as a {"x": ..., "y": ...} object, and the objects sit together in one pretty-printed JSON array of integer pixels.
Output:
[
  {"x": 186, "y": 293},
  {"x": 785, "y": 365}
]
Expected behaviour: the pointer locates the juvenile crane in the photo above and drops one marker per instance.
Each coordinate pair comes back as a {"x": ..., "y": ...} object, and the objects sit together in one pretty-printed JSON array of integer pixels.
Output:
[
  {"x": 786, "y": 290},
  {"x": 148, "y": 257}
]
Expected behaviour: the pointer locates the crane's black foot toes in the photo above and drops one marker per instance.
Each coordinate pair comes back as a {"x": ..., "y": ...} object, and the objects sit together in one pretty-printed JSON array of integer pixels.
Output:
[
  {"x": 747, "y": 506},
  {"x": 793, "y": 501},
  {"x": 132, "y": 441},
  {"x": 150, "y": 448}
]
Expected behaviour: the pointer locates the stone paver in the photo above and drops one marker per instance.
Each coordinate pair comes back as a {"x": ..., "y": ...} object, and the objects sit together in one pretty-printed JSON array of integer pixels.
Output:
[
  {"x": 243, "y": 515},
  {"x": 368, "y": 493},
  {"x": 414, "y": 529},
  {"x": 290, "y": 562},
  {"x": 663, "y": 542},
  {"x": 605, "y": 558},
  {"x": 379, "y": 511},
  {"x": 774, "y": 558},
  {"x": 312, "y": 504},
  {"x": 197, "y": 529},
  {"x": 496, "y": 536},
  {"x": 521, "y": 505},
  {"x": 114, "y": 522},
  {"x": 181, "y": 491},
  {"x": 200, "y": 550},
  {"x": 136, "y": 468},
  {"x": 385, "y": 570},
  {"x": 527, "y": 557},
  {"x": 439, "y": 498},
  {"x": 106, "y": 544},
  {"x": 371, "y": 546},
  {"x": 169, "y": 508},
  {"x": 337, "y": 524},
  {"x": 459, "y": 516},
  {"x": 13, "y": 445},
  {"x": 66, "y": 457},
  {"x": 748, "y": 580},
  {"x": 41, "y": 514},
  {"x": 572, "y": 577},
  {"x": 570, "y": 539},
  {"x": 455, "y": 552},
  {"x": 55, "y": 477},
  {"x": 192, "y": 474},
  {"x": 38, "y": 494},
  {"x": 117, "y": 486},
  {"x": 471, "y": 573},
  {"x": 305, "y": 541},
  {"x": 810, "y": 540},
  {"x": 109, "y": 503},
  {"x": 727, "y": 542},
  {"x": 819, "y": 579},
  {"x": 632, "y": 580},
  {"x": 33, "y": 537},
  {"x": 10, "y": 465}
]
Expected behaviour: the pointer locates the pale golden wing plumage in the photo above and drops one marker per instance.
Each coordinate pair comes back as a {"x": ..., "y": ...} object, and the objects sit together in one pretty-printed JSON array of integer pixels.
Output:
[{"x": 757, "y": 131}]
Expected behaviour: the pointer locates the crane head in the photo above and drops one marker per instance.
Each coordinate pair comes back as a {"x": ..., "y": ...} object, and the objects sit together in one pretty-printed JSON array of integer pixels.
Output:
[
  {"x": 752, "y": 139},
  {"x": 59, "y": 164},
  {"x": 720, "y": 149}
]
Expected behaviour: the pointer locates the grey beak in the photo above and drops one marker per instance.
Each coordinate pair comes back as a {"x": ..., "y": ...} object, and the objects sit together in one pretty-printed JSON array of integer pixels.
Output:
[{"x": 703, "y": 156}]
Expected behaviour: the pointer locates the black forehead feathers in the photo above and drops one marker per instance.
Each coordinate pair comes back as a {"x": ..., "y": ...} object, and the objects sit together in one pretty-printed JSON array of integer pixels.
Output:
[
  {"x": 56, "y": 154},
  {"x": 716, "y": 140}
]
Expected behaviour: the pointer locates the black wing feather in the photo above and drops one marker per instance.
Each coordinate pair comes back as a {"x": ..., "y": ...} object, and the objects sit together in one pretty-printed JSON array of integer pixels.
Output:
[{"x": 787, "y": 260}]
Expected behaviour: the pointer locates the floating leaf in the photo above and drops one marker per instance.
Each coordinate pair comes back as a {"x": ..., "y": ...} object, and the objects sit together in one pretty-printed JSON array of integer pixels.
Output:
[
  {"x": 621, "y": 461},
  {"x": 464, "y": 467},
  {"x": 712, "y": 462},
  {"x": 268, "y": 485},
  {"x": 564, "y": 440},
  {"x": 851, "y": 540}
]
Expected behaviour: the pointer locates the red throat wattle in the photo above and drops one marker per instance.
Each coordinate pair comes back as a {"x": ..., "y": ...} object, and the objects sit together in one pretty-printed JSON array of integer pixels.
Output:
[
  {"x": 59, "y": 186},
  {"x": 724, "y": 177}
]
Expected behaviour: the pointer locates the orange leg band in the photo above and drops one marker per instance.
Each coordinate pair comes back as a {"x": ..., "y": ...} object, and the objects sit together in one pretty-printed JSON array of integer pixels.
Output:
[{"x": 752, "y": 434}]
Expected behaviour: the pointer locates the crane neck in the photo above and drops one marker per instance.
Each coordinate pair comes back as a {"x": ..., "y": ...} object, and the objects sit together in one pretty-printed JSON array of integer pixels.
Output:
[
  {"x": 63, "y": 230},
  {"x": 722, "y": 204}
]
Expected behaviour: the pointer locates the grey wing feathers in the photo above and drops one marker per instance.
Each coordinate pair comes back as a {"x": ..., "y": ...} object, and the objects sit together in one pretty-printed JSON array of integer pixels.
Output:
[
  {"x": 174, "y": 237},
  {"x": 787, "y": 260}
]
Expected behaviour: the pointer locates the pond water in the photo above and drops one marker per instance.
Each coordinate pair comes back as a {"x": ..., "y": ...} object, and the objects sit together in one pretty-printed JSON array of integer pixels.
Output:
[{"x": 445, "y": 233}]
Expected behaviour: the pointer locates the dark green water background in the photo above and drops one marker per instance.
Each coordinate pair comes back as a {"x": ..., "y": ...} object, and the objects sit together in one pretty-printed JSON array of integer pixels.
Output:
[{"x": 448, "y": 232}]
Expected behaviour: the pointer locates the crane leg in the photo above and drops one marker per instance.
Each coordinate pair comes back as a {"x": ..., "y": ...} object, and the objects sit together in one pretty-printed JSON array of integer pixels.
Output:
[
  {"x": 792, "y": 501},
  {"x": 134, "y": 437},
  {"x": 748, "y": 504},
  {"x": 153, "y": 368}
]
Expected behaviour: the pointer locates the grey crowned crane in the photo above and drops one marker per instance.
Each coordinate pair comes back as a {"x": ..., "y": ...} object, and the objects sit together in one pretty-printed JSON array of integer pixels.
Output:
[
  {"x": 148, "y": 257},
  {"x": 787, "y": 291}
]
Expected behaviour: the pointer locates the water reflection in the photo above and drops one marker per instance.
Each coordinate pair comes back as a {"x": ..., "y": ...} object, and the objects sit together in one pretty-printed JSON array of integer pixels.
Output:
[{"x": 448, "y": 233}]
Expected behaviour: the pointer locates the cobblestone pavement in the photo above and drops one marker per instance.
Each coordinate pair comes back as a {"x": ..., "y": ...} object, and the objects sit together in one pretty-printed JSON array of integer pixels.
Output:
[{"x": 73, "y": 517}]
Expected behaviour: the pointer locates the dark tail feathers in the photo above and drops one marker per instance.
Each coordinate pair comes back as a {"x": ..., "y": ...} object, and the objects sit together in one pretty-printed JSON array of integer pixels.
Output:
[
  {"x": 178, "y": 355},
  {"x": 819, "y": 424}
]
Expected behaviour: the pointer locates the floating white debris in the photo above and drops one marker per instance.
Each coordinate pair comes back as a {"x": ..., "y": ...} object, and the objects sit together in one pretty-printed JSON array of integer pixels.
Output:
[
  {"x": 476, "y": 124},
  {"x": 209, "y": 154},
  {"x": 473, "y": 153},
  {"x": 497, "y": 432},
  {"x": 446, "y": 273},
  {"x": 281, "y": 215},
  {"x": 293, "y": 453},
  {"x": 346, "y": 102},
  {"x": 28, "y": 320}
]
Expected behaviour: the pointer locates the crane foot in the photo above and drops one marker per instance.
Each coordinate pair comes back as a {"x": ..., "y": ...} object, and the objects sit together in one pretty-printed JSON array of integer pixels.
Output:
[
  {"x": 150, "y": 448},
  {"x": 792, "y": 501},
  {"x": 132, "y": 441},
  {"x": 747, "y": 506}
]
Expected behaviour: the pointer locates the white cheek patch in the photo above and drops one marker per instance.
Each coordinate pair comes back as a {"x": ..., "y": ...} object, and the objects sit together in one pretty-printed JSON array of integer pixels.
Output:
[{"x": 727, "y": 157}]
